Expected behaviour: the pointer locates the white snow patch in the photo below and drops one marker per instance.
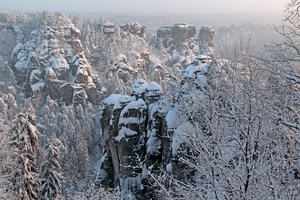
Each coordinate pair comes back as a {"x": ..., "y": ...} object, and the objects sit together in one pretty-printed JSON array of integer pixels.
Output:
[
  {"x": 18, "y": 48},
  {"x": 153, "y": 143},
  {"x": 152, "y": 109},
  {"x": 21, "y": 64},
  {"x": 116, "y": 100},
  {"x": 172, "y": 119},
  {"x": 169, "y": 167},
  {"x": 153, "y": 86},
  {"x": 139, "y": 104},
  {"x": 35, "y": 75},
  {"x": 177, "y": 141},
  {"x": 203, "y": 57},
  {"x": 192, "y": 69},
  {"x": 139, "y": 86},
  {"x": 201, "y": 81},
  {"x": 125, "y": 132},
  {"x": 182, "y": 133},
  {"x": 129, "y": 120},
  {"x": 37, "y": 86}
]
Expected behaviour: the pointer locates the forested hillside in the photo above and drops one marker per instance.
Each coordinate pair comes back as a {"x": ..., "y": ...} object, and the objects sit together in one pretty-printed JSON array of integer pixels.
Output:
[{"x": 99, "y": 109}]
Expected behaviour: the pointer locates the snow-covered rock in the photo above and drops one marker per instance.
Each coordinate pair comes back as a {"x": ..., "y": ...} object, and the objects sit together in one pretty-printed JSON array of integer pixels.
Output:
[
  {"x": 133, "y": 130},
  {"x": 205, "y": 39},
  {"x": 139, "y": 88},
  {"x": 134, "y": 28},
  {"x": 54, "y": 58},
  {"x": 153, "y": 92},
  {"x": 8, "y": 40}
]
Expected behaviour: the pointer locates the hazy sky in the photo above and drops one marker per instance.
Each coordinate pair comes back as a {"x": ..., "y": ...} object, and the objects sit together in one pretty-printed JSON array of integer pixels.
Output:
[{"x": 145, "y": 6}]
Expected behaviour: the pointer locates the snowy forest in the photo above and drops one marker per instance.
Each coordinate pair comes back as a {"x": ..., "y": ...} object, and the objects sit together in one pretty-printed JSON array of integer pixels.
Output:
[{"x": 97, "y": 108}]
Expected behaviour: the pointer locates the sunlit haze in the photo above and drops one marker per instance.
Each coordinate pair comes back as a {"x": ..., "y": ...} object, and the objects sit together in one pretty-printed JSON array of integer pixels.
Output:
[{"x": 145, "y": 6}]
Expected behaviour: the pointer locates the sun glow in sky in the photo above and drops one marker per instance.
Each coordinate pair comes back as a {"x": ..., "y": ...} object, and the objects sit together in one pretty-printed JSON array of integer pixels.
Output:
[{"x": 146, "y": 6}]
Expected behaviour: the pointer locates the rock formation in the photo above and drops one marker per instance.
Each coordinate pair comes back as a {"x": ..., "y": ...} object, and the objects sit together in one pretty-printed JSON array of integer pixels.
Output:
[
  {"x": 178, "y": 44},
  {"x": 53, "y": 63},
  {"x": 181, "y": 46},
  {"x": 205, "y": 39},
  {"x": 143, "y": 132},
  {"x": 134, "y": 28},
  {"x": 7, "y": 40},
  {"x": 133, "y": 136},
  {"x": 146, "y": 120}
]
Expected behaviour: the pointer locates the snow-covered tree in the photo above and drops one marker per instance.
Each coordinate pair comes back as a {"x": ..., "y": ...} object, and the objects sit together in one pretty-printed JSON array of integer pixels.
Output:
[
  {"x": 283, "y": 63},
  {"x": 23, "y": 143},
  {"x": 232, "y": 140},
  {"x": 50, "y": 172},
  {"x": 82, "y": 161}
]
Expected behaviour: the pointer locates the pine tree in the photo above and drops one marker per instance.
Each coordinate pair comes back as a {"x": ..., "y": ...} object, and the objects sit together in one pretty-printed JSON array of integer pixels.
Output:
[
  {"x": 82, "y": 156},
  {"x": 23, "y": 144},
  {"x": 50, "y": 176}
]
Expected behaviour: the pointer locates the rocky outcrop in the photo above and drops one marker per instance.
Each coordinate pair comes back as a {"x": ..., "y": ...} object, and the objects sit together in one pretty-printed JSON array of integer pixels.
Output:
[
  {"x": 179, "y": 32},
  {"x": 123, "y": 71},
  {"x": 165, "y": 32},
  {"x": 183, "y": 32},
  {"x": 143, "y": 132},
  {"x": 179, "y": 44},
  {"x": 205, "y": 39},
  {"x": 157, "y": 133},
  {"x": 108, "y": 28},
  {"x": 53, "y": 63},
  {"x": 134, "y": 28},
  {"x": 176, "y": 34},
  {"x": 133, "y": 136},
  {"x": 7, "y": 40},
  {"x": 194, "y": 83},
  {"x": 123, "y": 133},
  {"x": 122, "y": 54}
]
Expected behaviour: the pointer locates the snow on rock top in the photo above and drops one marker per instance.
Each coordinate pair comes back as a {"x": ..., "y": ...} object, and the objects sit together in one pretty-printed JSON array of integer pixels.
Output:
[
  {"x": 203, "y": 57},
  {"x": 154, "y": 87},
  {"x": 194, "y": 68},
  {"x": 139, "y": 104},
  {"x": 117, "y": 100},
  {"x": 17, "y": 48},
  {"x": 153, "y": 92},
  {"x": 139, "y": 86}
]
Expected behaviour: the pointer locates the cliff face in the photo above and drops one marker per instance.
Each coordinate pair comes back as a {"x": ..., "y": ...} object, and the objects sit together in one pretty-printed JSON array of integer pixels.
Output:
[
  {"x": 179, "y": 46},
  {"x": 133, "y": 129},
  {"x": 205, "y": 39},
  {"x": 53, "y": 63},
  {"x": 7, "y": 40},
  {"x": 179, "y": 43}
]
